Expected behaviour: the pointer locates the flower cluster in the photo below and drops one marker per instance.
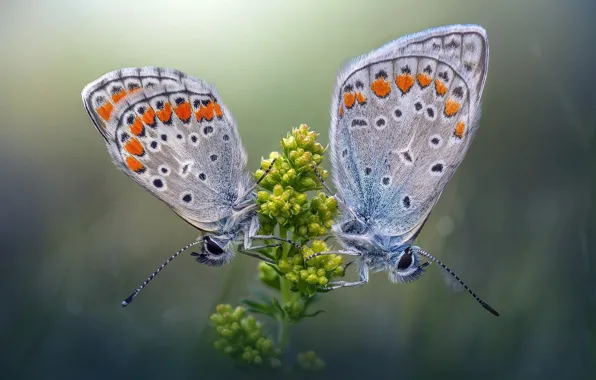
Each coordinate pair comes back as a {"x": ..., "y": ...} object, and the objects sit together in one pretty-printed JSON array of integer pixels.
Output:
[
  {"x": 283, "y": 200},
  {"x": 286, "y": 206},
  {"x": 310, "y": 361},
  {"x": 306, "y": 275},
  {"x": 241, "y": 337}
]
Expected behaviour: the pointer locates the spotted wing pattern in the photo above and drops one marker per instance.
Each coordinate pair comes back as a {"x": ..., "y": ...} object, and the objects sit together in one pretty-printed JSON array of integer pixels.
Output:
[
  {"x": 172, "y": 135},
  {"x": 403, "y": 117}
]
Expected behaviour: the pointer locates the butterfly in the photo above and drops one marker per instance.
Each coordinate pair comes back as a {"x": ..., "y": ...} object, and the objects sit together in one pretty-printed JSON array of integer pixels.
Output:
[
  {"x": 402, "y": 119},
  {"x": 174, "y": 137}
]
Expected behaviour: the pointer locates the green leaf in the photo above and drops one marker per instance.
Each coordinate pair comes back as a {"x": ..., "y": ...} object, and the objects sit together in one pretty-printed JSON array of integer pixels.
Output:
[
  {"x": 260, "y": 308},
  {"x": 311, "y": 289},
  {"x": 310, "y": 315},
  {"x": 281, "y": 310},
  {"x": 280, "y": 273}
]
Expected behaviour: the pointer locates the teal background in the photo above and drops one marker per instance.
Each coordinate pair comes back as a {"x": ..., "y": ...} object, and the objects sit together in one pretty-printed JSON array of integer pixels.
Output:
[{"x": 517, "y": 222}]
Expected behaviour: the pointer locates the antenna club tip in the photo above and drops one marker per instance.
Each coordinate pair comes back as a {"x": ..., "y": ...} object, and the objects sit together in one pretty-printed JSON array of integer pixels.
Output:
[
  {"x": 490, "y": 309},
  {"x": 128, "y": 301}
]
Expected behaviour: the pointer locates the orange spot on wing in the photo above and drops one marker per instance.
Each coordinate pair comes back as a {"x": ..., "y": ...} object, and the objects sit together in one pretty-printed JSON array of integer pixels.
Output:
[
  {"x": 360, "y": 98},
  {"x": 218, "y": 111},
  {"x": 134, "y": 165},
  {"x": 341, "y": 111},
  {"x": 199, "y": 114},
  {"x": 404, "y": 82},
  {"x": 440, "y": 87},
  {"x": 349, "y": 99},
  {"x": 208, "y": 111},
  {"x": 451, "y": 107},
  {"x": 105, "y": 110},
  {"x": 460, "y": 128},
  {"x": 134, "y": 146},
  {"x": 119, "y": 95},
  {"x": 424, "y": 79},
  {"x": 380, "y": 87},
  {"x": 166, "y": 113},
  {"x": 133, "y": 90},
  {"x": 137, "y": 127},
  {"x": 149, "y": 116},
  {"x": 183, "y": 111}
]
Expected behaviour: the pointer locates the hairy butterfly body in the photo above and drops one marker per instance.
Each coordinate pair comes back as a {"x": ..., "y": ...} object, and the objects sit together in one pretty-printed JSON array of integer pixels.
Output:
[
  {"x": 403, "y": 117},
  {"x": 172, "y": 135}
]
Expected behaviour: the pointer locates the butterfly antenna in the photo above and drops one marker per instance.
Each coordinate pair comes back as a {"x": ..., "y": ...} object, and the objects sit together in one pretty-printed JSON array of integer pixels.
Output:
[
  {"x": 134, "y": 294},
  {"x": 267, "y": 171},
  {"x": 437, "y": 261},
  {"x": 260, "y": 179},
  {"x": 314, "y": 168}
]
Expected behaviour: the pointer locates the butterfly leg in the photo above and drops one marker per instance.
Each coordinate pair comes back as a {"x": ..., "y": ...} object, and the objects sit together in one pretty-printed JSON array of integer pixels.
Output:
[
  {"x": 256, "y": 255},
  {"x": 350, "y": 284},
  {"x": 272, "y": 237}
]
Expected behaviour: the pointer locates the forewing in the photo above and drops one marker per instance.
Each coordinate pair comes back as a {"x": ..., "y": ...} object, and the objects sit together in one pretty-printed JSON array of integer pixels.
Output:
[
  {"x": 173, "y": 136},
  {"x": 403, "y": 117}
]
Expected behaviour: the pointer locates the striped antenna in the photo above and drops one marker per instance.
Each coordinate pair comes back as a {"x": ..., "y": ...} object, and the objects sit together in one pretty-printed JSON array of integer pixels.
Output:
[
  {"x": 437, "y": 261},
  {"x": 134, "y": 294}
]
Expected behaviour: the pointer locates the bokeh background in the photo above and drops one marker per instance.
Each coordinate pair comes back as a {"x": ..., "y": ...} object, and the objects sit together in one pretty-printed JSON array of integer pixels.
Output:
[{"x": 517, "y": 221}]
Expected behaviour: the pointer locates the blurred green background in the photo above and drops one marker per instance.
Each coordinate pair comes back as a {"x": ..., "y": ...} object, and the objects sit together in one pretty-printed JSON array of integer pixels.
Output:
[{"x": 517, "y": 222}]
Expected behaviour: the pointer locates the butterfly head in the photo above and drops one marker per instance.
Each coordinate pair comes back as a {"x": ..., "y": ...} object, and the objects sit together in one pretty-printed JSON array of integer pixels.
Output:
[
  {"x": 405, "y": 266},
  {"x": 215, "y": 251}
]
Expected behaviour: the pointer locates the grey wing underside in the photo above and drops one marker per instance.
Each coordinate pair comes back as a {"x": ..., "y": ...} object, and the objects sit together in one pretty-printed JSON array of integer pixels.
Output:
[
  {"x": 172, "y": 134},
  {"x": 403, "y": 117}
]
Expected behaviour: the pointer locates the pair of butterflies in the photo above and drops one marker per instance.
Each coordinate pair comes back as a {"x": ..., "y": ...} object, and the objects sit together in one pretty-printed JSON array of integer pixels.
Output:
[{"x": 402, "y": 118}]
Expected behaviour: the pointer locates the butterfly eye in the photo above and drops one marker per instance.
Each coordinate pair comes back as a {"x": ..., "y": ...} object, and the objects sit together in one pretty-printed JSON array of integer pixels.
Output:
[
  {"x": 405, "y": 260},
  {"x": 212, "y": 247}
]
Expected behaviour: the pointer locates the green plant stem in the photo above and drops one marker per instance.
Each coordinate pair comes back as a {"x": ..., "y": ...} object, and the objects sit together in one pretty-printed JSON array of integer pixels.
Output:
[{"x": 286, "y": 295}]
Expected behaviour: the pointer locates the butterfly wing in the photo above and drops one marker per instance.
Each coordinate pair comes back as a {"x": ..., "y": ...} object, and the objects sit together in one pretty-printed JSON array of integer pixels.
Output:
[
  {"x": 403, "y": 117},
  {"x": 172, "y": 135}
]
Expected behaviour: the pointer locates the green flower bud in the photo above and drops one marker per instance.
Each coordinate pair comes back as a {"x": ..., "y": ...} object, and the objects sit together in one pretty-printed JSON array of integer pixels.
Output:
[
  {"x": 292, "y": 277},
  {"x": 310, "y": 361},
  {"x": 338, "y": 272},
  {"x": 278, "y": 190},
  {"x": 308, "y": 183},
  {"x": 223, "y": 308},
  {"x": 284, "y": 266},
  {"x": 304, "y": 274},
  {"x": 266, "y": 273},
  {"x": 216, "y": 318},
  {"x": 332, "y": 263},
  {"x": 318, "y": 148},
  {"x": 312, "y": 279},
  {"x": 289, "y": 143},
  {"x": 301, "y": 198},
  {"x": 319, "y": 246},
  {"x": 263, "y": 196}
]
